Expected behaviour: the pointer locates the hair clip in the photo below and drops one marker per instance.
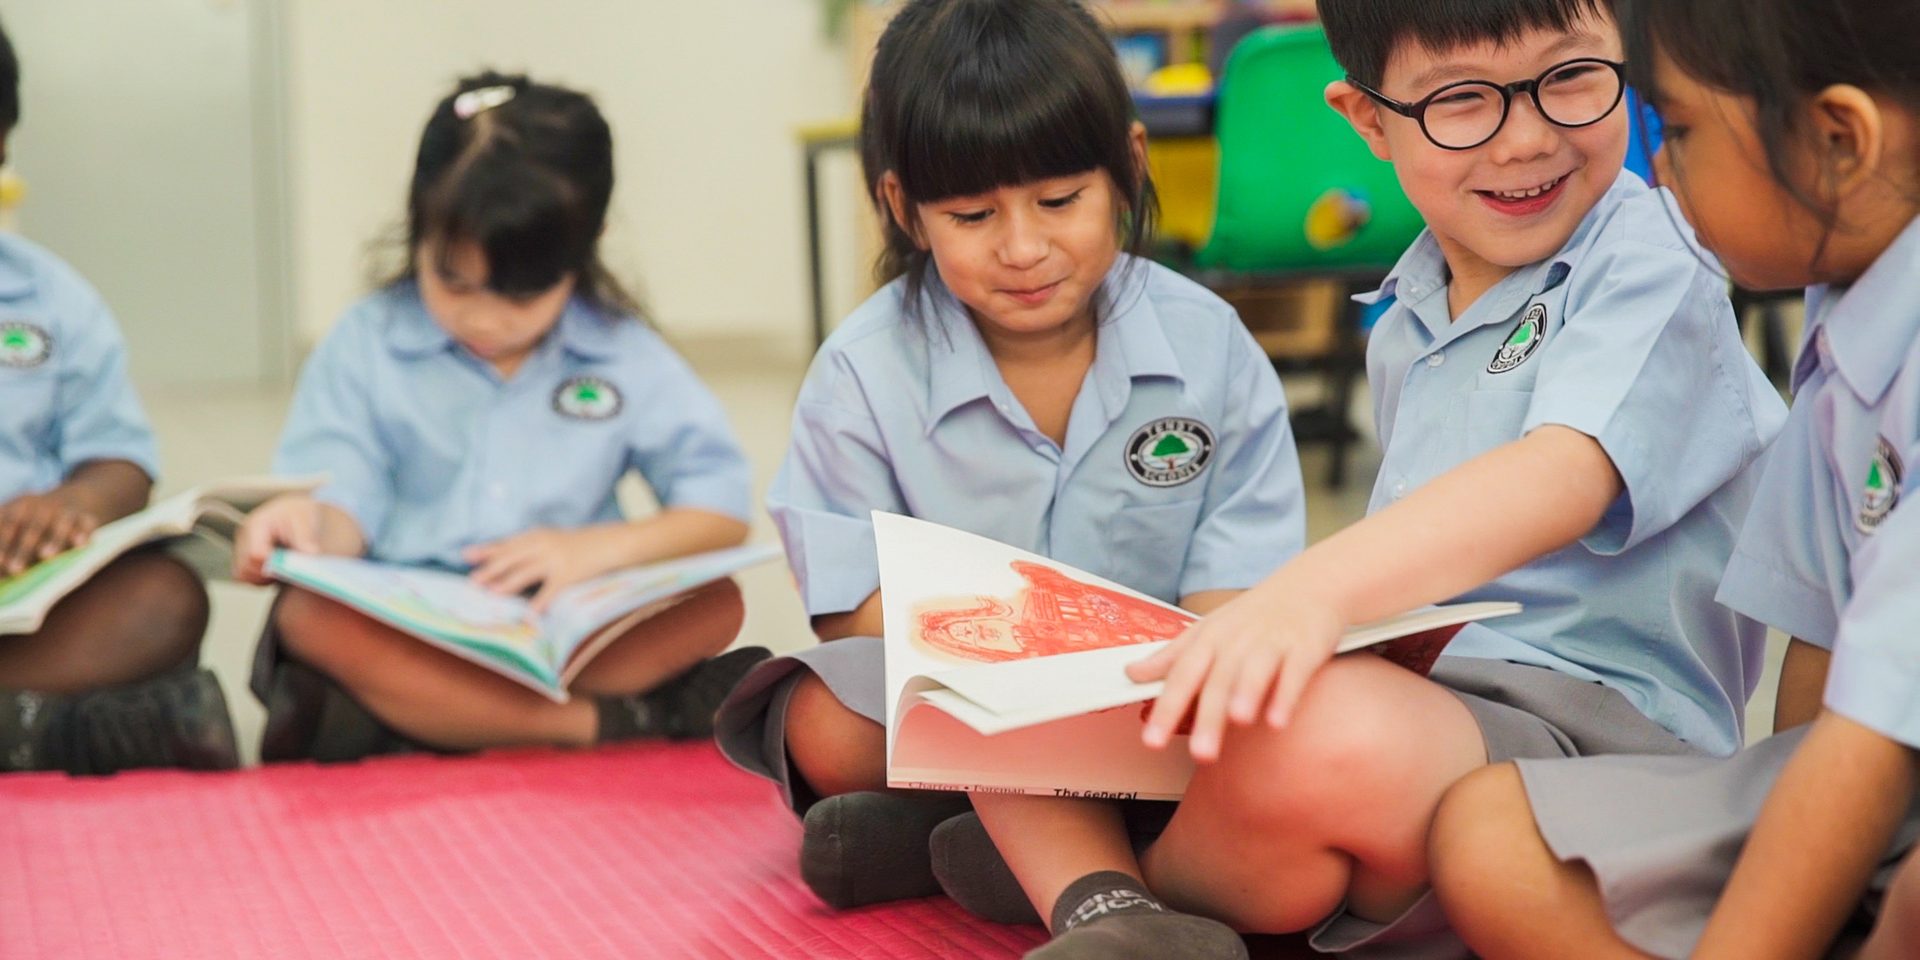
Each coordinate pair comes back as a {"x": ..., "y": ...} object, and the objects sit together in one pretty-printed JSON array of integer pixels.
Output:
[{"x": 471, "y": 104}]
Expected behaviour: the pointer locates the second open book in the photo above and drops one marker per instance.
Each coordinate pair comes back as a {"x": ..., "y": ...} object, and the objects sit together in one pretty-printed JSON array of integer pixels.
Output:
[{"x": 1006, "y": 671}]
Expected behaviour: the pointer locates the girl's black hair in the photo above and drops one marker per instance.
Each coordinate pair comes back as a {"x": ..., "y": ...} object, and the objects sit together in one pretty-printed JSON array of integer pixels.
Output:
[
  {"x": 527, "y": 177},
  {"x": 1778, "y": 53},
  {"x": 970, "y": 95}
]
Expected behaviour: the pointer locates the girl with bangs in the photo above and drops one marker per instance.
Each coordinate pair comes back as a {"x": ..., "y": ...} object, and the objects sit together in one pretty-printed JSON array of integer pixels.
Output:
[
  {"x": 475, "y": 414},
  {"x": 1006, "y": 380}
]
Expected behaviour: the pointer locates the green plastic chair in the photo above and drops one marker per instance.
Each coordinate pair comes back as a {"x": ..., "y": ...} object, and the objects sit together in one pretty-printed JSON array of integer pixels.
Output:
[
  {"x": 1300, "y": 193},
  {"x": 1302, "y": 198}
]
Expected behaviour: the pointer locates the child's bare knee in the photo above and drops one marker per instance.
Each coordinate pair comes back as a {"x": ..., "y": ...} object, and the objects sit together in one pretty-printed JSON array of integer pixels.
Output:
[
  {"x": 835, "y": 749},
  {"x": 1477, "y": 826},
  {"x": 315, "y": 630},
  {"x": 163, "y": 604}
]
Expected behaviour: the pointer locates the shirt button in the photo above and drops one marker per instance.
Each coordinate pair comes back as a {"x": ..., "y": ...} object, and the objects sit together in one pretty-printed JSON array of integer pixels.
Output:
[
  {"x": 1435, "y": 359},
  {"x": 497, "y": 491},
  {"x": 1399, "y": 489}
]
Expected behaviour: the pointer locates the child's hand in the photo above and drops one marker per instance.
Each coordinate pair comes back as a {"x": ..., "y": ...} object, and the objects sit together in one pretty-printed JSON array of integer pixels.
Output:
[
  {"x": 1257, "y": 651},
  {"x": 554, "y": 559},
  {"x": 292, "y": 520},
  {"x": 38, "y": 527}
]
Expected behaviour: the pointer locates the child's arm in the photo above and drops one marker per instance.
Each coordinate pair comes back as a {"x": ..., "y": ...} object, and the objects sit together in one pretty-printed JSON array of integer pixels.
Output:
[
  {"x": 1496, "y": 512},
  {"x": 1824, "y": 828},
  {"x": 296, "y": 521},
  {"x": 37, "y": 527},
  {"x": 865, "y": 620},
  {"x": 558, "y": 559},
  {"x": 1803, "y": 675}
]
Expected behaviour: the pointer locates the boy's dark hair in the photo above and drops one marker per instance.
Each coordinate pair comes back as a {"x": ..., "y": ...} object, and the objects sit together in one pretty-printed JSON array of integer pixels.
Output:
[
  {"x": 1364, "y": 33},
  {"x": 970, "y": 95},
  {"x": 527, "y": 178},
  {"x": 9, "y": 84},
  {"x": 1777, "y": 53}
]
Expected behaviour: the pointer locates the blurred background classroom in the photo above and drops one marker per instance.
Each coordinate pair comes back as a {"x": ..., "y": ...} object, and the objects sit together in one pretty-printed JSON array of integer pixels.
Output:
[{"x": 226, "y": 171}]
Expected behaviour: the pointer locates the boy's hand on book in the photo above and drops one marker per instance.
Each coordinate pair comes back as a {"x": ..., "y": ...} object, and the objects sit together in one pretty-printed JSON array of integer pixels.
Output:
[
  {"x": 553, "y": 559},
  {"x": 1251, "y": 658},
  {"x": 292, "y": 521},
  {"x": 38, "y": 527}
]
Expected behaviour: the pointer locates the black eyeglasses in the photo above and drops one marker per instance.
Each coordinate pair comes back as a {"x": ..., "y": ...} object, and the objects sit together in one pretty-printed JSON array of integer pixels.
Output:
[{"x": 1464, "y": 115}]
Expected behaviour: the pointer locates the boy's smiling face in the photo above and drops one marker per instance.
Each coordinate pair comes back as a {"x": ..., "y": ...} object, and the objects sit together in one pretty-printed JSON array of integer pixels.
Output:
[{"x": 1515, "y": 199}]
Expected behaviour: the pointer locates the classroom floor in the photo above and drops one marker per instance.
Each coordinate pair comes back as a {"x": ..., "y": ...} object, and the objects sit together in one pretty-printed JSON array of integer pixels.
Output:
[{"x": 206, "y": 434}]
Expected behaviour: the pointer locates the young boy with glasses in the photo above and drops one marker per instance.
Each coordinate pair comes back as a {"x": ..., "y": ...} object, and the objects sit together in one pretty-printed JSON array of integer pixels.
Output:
[{"x": 1568, "y": 416}]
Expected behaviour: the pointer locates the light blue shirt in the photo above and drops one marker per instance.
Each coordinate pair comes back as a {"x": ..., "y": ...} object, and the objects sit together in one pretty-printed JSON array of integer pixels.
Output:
[
  {"x": 1178, "y": 474},
  {"x": 1624, "y": 335},
  {"x": 430, "y": 451},
  {"x": 1831, "y": 551},
  {"x": 64, "y": 394}
]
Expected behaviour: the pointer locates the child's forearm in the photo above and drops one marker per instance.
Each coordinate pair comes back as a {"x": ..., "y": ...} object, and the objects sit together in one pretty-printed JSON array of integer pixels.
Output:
[
  {"x": 1803, "y": 678},
  {"x": 1492, "y": 514},
  {"x": 1818, "y": 840},
  {"x": 105, "y": 490},
  {"x": 676, "y": 532},
  {"x": 865, "y": 620}
]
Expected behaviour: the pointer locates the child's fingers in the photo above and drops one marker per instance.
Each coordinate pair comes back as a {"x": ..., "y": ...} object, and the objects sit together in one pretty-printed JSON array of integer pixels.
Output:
[
  {"x": 1254, "y": 683},
  {"x": 1295, "y": 671},
  {"x": 1182, "y": 680},
  {"x": 1154, "y": 666},
  {"x": 250, "y": 549},
  {"x": 507, "y": 574},
  {"x": 1210, "y": 714},
  {"x": 302, "y": 529}
]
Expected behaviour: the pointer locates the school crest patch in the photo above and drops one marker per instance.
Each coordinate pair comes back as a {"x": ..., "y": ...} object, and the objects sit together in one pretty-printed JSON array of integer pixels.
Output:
[
  {"x": 1882, "y": 492},
  {"x": 586, "y": 398},
  {"x": 1523, "y": 341},
  {"x": 24, "y": 344},
  {"x": 1170, "y": 451}
]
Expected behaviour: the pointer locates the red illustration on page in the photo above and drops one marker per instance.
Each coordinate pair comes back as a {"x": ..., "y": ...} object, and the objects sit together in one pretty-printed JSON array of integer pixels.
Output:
[{"x": 1052, "y": 614}]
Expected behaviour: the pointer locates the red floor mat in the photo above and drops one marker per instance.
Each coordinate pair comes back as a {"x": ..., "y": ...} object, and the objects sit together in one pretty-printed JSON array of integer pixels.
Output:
[{"x": 636, "y": 853}]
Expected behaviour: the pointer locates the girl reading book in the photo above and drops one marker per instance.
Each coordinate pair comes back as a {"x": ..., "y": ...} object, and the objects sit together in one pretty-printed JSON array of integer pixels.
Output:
[
  {"x": 475, "y": 413},
  {"x": 1024, "y": 375}
]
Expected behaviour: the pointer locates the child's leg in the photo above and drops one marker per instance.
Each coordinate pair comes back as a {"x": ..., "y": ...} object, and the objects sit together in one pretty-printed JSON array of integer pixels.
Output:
[
  {"x": 1504, "y": 891},
  {"x": 1049, "y": 842},
  {"x": 139, "y": 616},
  {"x": 442, "y": 700},
  {"x": 834, "y": 749},
  {"x": 1896, "y": 935},
  {"x": 1334, "y": 808},
  {"x": 666, "y": 645}
]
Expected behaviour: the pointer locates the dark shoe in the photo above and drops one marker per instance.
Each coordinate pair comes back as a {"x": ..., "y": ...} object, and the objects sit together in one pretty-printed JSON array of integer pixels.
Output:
[
  {"x": 871, "y": 847},
  {"x": 309, "y": 717},
  {"x": 178, "y": 719},
  {"x": 681, "y": 708},
  {"x": 972, "y": 872}
]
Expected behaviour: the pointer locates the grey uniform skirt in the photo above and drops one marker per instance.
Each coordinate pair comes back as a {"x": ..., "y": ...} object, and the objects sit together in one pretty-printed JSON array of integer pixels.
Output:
[{"x": 1662, "y": 834}]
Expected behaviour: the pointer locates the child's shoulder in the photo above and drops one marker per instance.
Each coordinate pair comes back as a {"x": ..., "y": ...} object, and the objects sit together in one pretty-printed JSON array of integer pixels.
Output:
[
  {"x": 28, "y": 270},
  {"x": 1634, "y": 218},
  {"x": 1183, "y": 307}
]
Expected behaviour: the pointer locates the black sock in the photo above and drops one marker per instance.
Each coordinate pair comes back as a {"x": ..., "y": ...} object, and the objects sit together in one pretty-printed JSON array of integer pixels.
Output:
[
  {"x": 972, "y": 871},
  {"x": 1099, "y": 895},
  {"x": 871, "y": 846},
  {"x": 1111, "y": 916}
]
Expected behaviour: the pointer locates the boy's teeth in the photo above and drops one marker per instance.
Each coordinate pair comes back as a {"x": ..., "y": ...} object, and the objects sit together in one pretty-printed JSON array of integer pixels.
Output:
[{"x": 1525, "y": 194}]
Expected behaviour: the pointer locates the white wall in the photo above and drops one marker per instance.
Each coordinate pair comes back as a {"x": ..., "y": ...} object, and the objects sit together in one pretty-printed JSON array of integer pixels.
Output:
[{"x": 703, "y": 97}]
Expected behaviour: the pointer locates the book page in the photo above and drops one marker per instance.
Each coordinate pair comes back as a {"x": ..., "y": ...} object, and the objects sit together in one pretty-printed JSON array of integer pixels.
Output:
[{"x": 443, "y": 608}]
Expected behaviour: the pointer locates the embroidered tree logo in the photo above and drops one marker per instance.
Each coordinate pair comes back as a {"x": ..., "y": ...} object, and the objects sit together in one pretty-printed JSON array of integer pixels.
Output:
[{"x": 23, "y": 345}]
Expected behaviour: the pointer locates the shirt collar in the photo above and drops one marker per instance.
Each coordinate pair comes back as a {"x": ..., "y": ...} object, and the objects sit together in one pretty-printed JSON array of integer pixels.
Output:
[
  {"x": 1422, "y": 271},
  {"x": 1872, "y": 324},
  {"x": 413, "y": 332},
  {"x": 1131, "y": 341}
]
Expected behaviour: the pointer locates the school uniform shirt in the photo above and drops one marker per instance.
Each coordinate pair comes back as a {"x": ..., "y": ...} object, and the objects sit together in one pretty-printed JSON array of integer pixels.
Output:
[
  {"x": 1831, "y": 551},
  {"x": 64, "y": 394},
  {"x": 1625, "y": 335},
  {"x": 1178, "y": 474},
  {"x": 431, "y": 451}
]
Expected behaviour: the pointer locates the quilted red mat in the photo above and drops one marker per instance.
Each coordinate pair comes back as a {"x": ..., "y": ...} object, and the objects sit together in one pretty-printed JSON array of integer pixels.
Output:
[{"x": 636, "y": 853}]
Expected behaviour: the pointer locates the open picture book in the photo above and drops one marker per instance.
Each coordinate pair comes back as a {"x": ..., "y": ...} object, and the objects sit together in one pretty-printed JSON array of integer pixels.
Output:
[
  {"x": 1005, "y": 671},
  {"x": 542, "y": 650},
  {"x": 212, "y": 511}
]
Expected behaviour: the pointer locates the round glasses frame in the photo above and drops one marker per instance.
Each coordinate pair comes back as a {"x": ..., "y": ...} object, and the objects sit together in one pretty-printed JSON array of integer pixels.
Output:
[{"x": 1417, "y": 109}]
